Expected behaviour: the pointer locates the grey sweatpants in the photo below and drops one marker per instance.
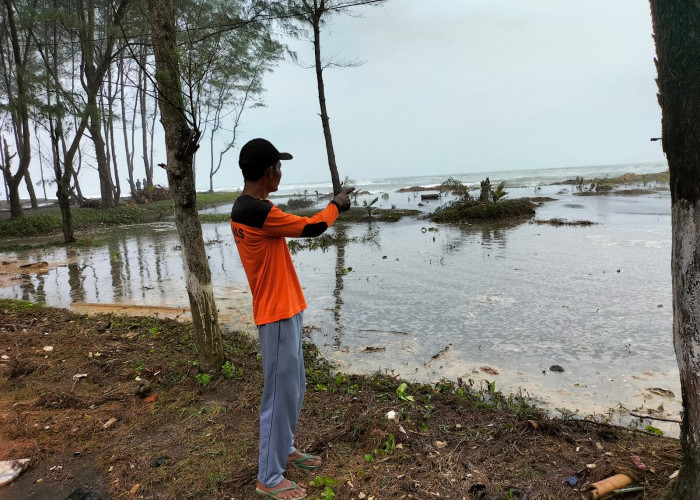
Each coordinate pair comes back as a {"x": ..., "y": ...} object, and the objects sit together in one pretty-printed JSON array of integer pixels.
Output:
[{"x": 283, "y": 395}]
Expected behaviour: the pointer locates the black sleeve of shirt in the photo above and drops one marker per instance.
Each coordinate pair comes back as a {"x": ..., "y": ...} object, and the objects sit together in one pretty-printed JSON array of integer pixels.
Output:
[
  {"x": 250, "y": 211},
  {"x": 312, "y": 230}
]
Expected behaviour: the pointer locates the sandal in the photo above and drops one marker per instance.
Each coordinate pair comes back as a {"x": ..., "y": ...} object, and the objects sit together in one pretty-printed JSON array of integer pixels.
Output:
[
  {"x": 299, "y": 462},
  {"x": 273, "y": 494}
]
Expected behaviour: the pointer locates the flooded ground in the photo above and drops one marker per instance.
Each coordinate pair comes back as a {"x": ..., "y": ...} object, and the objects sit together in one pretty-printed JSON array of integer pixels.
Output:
[{"x": 489, "y": 304}]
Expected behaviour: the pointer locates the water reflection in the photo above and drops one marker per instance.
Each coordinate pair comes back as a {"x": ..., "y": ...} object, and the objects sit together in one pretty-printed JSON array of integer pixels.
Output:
[
  {"x": 75, "y": 282},
  {"x": 340, "y": 272}
]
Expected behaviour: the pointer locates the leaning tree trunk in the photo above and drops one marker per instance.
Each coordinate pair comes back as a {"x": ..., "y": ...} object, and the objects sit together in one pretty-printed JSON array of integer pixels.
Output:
[
  {"x": 181, "y": 142},
  {"x": 322, "y": 102},
  {"x": 678, "y": 52},
  {"x": 95, "y": 127},
  {"x": 30, "y": 189}
]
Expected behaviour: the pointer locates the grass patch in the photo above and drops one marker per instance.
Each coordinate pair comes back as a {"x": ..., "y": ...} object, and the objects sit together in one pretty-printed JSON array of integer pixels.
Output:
[
  {"x": 471, "y": 211},
  {"x": 359, "y": 214},
  {"x": 85, "y": 219},
  {"x": 561, "y": 222}
]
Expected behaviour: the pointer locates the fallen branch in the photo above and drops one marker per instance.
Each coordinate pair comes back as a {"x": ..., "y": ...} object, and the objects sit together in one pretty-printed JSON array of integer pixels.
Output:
[
  {"x": 436, "y": 356},
  {"x": 639, "y": 415}
]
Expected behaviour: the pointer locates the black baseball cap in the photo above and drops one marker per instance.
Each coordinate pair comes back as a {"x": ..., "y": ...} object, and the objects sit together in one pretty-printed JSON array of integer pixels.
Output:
[{"x": 258, "y": 154}]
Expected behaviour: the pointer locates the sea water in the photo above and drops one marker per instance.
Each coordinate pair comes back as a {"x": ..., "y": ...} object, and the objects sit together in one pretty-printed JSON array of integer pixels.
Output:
[{"x": 482, "y": 303}]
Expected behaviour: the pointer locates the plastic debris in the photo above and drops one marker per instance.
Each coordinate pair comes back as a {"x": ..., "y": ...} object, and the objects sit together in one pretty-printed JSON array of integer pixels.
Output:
[
  {"x": 571, "y": 480},
  {"x": 601, "y": 488},
  {"x": 638, "y": 462},
  {"x": 10, "y": 469},
  {"x": 391, "y": 415}
]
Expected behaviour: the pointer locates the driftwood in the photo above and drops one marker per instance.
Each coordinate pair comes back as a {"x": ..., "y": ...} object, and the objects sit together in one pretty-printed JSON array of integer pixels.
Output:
[
  {"x": 373, "y": 349},
  {"x": 436, "y": 356},
  {"x": 386, "y": 331},
  {"x": 430, "y": 196}
]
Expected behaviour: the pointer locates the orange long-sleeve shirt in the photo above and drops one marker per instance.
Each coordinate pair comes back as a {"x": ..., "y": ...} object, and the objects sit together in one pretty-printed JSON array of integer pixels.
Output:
[{"x": 259, "y": 230}]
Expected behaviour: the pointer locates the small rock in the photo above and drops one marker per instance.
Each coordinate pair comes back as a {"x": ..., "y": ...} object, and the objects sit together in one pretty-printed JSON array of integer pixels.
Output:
[
  {"x": 440, "y": 444},
  {"x": 143, "y": 389},
  {"x": 489, "y": 370},
  {"x": 556, "y": 368},
  {"x": 159, "y": 461},
  {"x": 48, "y": 348}
]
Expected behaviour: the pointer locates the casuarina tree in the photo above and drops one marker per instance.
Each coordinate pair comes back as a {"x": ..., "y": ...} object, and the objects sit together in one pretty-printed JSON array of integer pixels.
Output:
[
  {"x": 313, "y": 14},
  {"x": 676, "y": 28},
  {"x": 181, "y": 143}
]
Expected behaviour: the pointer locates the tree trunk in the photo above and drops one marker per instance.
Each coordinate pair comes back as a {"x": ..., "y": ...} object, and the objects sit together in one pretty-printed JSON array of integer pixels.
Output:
[
  {"x": 181, "y": 143},
  {"x": 21, "y": 124},
  {"x": 127, "y": 149},
  {"x": 144, "y": 121},
  {"x": 322, "y": 102},
  {"x": 12, "y": 183},
  {"x": 106, "y": 186},
  {"x": 30, "y": 189},
  {"x": 677, "y": 48},
  {"x": 109, "y": 135}
]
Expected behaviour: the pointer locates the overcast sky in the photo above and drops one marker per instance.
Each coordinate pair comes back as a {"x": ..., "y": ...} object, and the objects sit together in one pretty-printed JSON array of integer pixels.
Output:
[{"x": 453, "y": 86}]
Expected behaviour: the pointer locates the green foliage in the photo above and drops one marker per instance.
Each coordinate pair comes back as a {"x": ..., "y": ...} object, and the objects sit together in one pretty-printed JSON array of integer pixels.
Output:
[
  {"x": 328, "y": 494},
  {"x": 452, "y": 185},
  {"x": 323, "y": 242},
  {"x": 369, "y": 458},
  {"x": 389, "y": 445},
  {"x": 214, "y": 218},
  {"x": 499, "y": 193},
  {"x": 473, "y": 211},
  {"x": 653, "y": 430},
  {"x": 297, "y": 204},
  {"x": 203, "y": 379},
  {"x": 369, "y": 206},
  {"x": 323, "y": 481},
  {"x": 228, "y": 370},
  {"x": 401, "y": 392}
]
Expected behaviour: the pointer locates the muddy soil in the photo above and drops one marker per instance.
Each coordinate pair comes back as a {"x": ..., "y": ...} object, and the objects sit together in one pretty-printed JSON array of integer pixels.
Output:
[{"x": 114, "y": 406}]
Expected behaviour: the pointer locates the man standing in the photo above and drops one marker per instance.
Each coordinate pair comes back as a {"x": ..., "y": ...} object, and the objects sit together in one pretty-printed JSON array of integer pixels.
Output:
[{"x": 259, "y": 229}]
